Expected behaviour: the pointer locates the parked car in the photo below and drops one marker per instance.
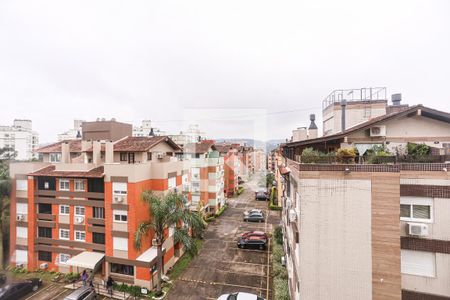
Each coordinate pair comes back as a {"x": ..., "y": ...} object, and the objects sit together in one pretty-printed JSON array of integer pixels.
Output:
[
  {"x": 19, "y": 289},
  {"x": 253, "y": 210},
  {"x": 82, "y": 293},
  {"x": 261, "y": 196},
  {"x": 254, "y": 217},
  {"x": 240, "y": 296},
  {"x": 253, "y": 242},
  {"x": 260, "y": 234}
]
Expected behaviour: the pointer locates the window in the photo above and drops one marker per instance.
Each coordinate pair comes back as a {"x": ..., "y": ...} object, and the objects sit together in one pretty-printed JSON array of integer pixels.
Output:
[
  {"x": 79, "y": 185},
  {"x": 416, "y": 209},
  {"x": 149, "y": 156},
  {"x": 64, "y": 234},
  {"x": 123, "y": 156},
  {"x": 64, "y": 209},
  {"x": 172, "y": 182},
  {"x": 21, "y": 208},
  {"x": 63, "y": 258},
  {"x": 45, "y": 256},
  {"x": 80, "y": 236},
  {"x": 22, "y": 185},
  {"x": 55, "y": 157},
  {"x": 122, "y": 269},
  {"x": 120, "y": 243},
  {"x": 120, "y": 188},
  {"x": 21, "y": 256},
  {"x": 79, "y": 211},
  {"x": 418, "y": 263},
  {"x": 185, "y": 179},
  {"x": 98, "y": 238},
  {"x": 45, "y": 232},
  {"x": 98, "y": 213},
  {"x": 22, "y": 232},
  {"x": 44, "y": 208},
  {"x": 120, "y": 216},
  {"x": 64, "y": 184}
]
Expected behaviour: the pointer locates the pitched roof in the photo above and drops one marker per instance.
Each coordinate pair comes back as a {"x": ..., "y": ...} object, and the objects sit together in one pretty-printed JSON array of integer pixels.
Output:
[
  {"x": 199, "y": 148},
  {"x": 74, "y": 146},
  {"x": 425, "y": 111},
  {"x": 50, "y": 171},
  {"x": 142, "y": 144},
  {"x": 223, "y": 148}
]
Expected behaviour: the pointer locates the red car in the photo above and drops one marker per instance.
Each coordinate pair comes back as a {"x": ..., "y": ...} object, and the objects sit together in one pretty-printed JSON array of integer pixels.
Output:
[{"x": 260, "y": 234}]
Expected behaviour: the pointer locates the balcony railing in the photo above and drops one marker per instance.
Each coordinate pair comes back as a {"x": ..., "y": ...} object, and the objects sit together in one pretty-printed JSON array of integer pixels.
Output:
[{"x": 374, "y": 159}]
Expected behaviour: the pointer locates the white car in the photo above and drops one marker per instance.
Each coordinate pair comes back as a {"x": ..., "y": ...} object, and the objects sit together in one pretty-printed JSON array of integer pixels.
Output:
[
  {"x": 240, "y": 296},
  {"x": 252, "y": 211}
]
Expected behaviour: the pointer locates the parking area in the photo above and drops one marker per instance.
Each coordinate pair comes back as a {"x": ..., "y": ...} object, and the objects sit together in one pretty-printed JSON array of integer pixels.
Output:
[
  {"x": 221, "y": 267},
  {"x": 53, "y": 291}
]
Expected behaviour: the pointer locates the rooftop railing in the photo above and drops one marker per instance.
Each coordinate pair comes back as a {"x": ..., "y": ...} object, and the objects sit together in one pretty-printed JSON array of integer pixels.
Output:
[
  {"x": 362, "y": 94},
  {"x": 373, "y": 159}
]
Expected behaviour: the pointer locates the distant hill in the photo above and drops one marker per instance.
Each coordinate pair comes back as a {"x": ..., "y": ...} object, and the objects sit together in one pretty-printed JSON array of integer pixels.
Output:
[{"x": 268, "y": 145}]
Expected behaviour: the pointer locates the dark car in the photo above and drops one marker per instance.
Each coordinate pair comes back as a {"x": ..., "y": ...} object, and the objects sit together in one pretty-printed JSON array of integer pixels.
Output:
[
  {"x": 19, "y": 289},
  {"x": 261, "y": 196},
  {"x": 254, "y": 216},
  {"x": 256, "y": 233},
  {"x": 252, "y": 242},
  {"x": 2, "y": 279}
]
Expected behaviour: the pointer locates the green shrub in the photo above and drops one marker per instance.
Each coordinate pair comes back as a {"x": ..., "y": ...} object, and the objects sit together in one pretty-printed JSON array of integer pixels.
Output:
[
  {"x": 309, "y": 156},
  {"x": 281, "y": 289},
  {"x": 418, "y": 149},
  {"x": 210, "y": 219},
  {"x": 221, "y": 210},
  {"x": 278, "y": 235}
]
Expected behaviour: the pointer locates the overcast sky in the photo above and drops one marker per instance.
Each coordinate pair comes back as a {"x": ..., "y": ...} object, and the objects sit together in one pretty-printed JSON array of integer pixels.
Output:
[{"x": 159, "y": 60}]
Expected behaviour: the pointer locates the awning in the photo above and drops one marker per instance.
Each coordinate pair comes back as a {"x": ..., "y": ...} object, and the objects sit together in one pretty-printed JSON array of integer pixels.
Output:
[
  {"x": 149, "y": 256},
  {"x": 86, "y": 260}
]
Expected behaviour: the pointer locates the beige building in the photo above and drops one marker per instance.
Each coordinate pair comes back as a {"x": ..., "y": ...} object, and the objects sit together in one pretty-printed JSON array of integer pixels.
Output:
[{"x": 373, "y": 226}]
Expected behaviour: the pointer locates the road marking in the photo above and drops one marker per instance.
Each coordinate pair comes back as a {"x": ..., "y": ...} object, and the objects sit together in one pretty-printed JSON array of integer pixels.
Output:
[
  {"x": 42, "y": 290},
  {"x": 221, "y": 283},
  {"x": 58, "y": 295}
]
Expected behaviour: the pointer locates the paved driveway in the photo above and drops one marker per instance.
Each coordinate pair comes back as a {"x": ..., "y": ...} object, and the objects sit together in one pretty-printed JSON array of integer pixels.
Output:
[{"x": 221, "y": 267}]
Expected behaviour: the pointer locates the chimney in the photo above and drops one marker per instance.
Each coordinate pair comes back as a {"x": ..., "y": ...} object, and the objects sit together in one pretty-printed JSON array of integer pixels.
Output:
[
  {"x": 65, "y": 152},
  {"x": 343, "y": 105},
  {"x": 96, "y": 152},
  {"x": 312, "y": 129},
  {"x": 396, "y": 99},
  {"x": 109, "y": 152}
]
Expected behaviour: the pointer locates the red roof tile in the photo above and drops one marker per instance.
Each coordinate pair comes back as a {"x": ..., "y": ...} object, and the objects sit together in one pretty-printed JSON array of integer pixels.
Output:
[
  {"x": 202, "y": 147},
  {"x": 50, "y": 171},
  {"x": 142, "y": 144},
  {"x": 74, "y": 146}
]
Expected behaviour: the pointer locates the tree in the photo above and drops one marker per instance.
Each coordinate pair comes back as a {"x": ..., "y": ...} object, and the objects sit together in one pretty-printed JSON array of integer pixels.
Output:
[
  {"x": 168, "y": 211},
  {"x": 5, "y": 190}
]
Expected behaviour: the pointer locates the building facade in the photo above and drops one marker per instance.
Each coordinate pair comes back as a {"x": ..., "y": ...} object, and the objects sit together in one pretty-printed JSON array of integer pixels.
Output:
[
  {"x": 20, "y": 138},
  {"x": 80, "y": 207},
  {"x": 73, "y": 133},
  {"x": 375, "y": 226}
]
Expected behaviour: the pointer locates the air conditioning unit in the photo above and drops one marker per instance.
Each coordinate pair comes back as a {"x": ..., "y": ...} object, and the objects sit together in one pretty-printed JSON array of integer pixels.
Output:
[
  {"x": 159, "y": 155},
  {"x": 154, "y": 243},
  {"x": 79, "y": 220},
  {"x": 292, "y": 215},
  {"x": 43, "y": 266},
  {"x": 378, "y": 131},
  {"x": 20, "y": 217},
  {"x": 118, "y": 199},
  {"x": 417, "y": 229}
]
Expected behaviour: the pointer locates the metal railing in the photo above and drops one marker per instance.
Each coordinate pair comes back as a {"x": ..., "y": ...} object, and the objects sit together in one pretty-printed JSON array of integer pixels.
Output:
[
  {"x": 362, "y": 94},
  {"x": 373, "y": 159}
]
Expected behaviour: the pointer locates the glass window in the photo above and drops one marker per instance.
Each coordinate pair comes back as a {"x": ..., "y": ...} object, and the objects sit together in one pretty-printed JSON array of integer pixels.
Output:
[
  {"x": 149, "y": 156},
  {"x": 64, "y": 234},
  {"x": 123, "y": 156},
  {"x": 63, "y": 258},
  {"x": 79, "y": 210},
  {"x": 98, "y": 238},
  {"x": 44, "y": 208},
  {"x": 22, "y": 232},
  {"x": 405, "y": 210},
  {"x": 64, "y": 184},
  {"x": 79, "y": 185},
  {"x": 55, "y": 157},
  {"x": 120, "y": 216},
  {"x": 122, "y": 269},
  {"x": 98, "y": 212},
  {"x": 45, "y": 256},
  {"x": 120, "y": 188},
  {"x": 80, "y": 236},
  {"x": 418, "y": 209},
  {"x": 22, "y": 185},
  {"x": 421, "y": 211},
  {"x": 64, "y": 209},
  {"x": 44, "y": 232}
]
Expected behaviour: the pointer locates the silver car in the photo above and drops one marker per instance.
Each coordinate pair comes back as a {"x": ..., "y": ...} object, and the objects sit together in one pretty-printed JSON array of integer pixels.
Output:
[{"x": 82, "y": 293}]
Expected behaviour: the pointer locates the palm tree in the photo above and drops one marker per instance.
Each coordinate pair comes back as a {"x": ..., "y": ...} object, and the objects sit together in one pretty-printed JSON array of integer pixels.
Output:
[{"x": 168, "y": 211}]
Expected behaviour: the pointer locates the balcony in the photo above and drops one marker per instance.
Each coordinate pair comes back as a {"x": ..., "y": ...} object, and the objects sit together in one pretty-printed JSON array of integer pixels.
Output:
[{"x": 373, "y": 160}]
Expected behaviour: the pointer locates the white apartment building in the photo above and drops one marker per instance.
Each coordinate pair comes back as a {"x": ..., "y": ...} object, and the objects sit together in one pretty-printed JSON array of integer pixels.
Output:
[
  {"x": 73, "y": 133},
  {"x": 146, "y": 128},
  {"x": 21, "y": 138}
]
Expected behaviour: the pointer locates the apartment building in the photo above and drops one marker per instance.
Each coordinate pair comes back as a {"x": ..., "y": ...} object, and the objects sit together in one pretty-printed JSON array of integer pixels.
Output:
[
  {"x": 80, "y": 207},
  {"x": 206, "y": 176},
  {"x": 73, "y": 133},
  {"x": 146, "y": 129},
  {"x": 20, "y": 138},
  {"x": 370, "y": 228},
  {"x": 231, "y": 168},
  {"x": 259, "y": 160},
  {"x": 246, "y": 167},
  {"x": 192, "y": 135}
]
